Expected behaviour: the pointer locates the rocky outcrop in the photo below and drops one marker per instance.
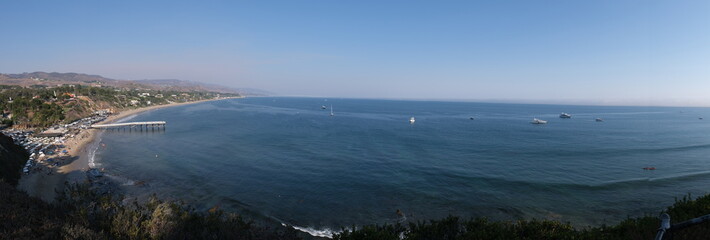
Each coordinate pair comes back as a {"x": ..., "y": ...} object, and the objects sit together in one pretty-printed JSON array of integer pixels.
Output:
[{"x": 12, "y": 158}]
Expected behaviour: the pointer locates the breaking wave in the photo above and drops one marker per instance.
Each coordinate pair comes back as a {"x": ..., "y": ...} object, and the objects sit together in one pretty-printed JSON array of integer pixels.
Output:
[{"x": 326, "y": 232}]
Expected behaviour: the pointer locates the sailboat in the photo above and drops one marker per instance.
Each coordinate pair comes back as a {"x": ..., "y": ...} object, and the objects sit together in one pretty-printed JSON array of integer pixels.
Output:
[
  {"x": 331, "y": 111},
  {"x": 411, "y": 120}
]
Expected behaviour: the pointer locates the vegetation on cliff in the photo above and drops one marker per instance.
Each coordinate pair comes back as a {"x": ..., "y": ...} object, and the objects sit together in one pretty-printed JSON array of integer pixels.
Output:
[
  {"x": 454, "y": 228},
  {"x": 83, "y": 214},
  {"x": 43, "y": 106}
]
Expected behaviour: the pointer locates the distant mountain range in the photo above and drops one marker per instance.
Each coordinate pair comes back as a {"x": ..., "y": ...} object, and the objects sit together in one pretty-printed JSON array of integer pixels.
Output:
[
  {"x": 179, "y": 84},
  {"x": 54, "y": 78}
]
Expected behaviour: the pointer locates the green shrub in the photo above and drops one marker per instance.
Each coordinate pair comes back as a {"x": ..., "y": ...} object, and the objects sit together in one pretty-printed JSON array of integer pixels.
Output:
[{"x": 453, "y": 228}]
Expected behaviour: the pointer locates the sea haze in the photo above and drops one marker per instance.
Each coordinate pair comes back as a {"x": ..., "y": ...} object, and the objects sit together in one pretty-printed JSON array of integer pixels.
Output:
[{"x": 287, "y": 160}]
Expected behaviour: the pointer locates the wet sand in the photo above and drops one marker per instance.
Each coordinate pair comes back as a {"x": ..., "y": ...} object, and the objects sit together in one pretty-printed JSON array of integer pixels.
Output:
[{"x": 45, "y": 183}]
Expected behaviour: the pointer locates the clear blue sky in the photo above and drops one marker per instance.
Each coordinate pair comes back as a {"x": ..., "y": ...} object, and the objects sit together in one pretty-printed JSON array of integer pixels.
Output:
[{"x": 597, "y": 52}]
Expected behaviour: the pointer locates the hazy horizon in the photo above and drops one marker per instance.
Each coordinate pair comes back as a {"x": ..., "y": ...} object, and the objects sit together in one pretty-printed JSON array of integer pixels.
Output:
[{"x": 637, "y": 53}]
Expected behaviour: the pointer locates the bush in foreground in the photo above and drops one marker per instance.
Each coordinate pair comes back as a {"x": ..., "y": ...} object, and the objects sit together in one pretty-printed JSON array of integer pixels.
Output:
[
  {"x": 84, "y": 214},
  {"x": 454, "y": 228},
  {"x": 158, "y": 219}
]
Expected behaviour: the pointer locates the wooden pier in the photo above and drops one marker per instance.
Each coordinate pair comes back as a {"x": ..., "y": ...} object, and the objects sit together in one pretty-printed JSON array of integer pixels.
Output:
[{"x": 153, "y": 124}]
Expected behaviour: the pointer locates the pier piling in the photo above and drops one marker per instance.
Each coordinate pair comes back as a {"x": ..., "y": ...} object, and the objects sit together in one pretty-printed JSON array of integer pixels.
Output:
[{"x": 140, "y": 125}]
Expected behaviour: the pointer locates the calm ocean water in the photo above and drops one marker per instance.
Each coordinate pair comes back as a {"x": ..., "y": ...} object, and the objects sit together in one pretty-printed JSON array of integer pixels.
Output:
[{"x": 287, "y": 160}]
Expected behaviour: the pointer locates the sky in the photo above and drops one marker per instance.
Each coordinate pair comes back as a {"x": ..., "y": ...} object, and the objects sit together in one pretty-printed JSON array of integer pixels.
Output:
[{"x": 616, "y": 52}]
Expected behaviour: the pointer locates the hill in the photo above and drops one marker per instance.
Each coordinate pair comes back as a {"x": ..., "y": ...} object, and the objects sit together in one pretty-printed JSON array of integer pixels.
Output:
[
  {"x": 39, "y": 79},
  {"x": 186, "y": 85}
]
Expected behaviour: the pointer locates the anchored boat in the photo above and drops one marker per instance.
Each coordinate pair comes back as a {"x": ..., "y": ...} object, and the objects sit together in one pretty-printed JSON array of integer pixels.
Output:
[{"x": 538, "y": 121}]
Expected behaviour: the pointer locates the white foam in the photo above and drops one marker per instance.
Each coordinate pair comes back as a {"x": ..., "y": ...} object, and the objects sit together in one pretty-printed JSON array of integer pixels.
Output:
[
  {"x": 121, "y": 180},
  {"x": 327, "y": 233},
  {"x": 128, "y": 182},
  {"x": 92, "y": 148},
  {"x": 92, "y": 156}
]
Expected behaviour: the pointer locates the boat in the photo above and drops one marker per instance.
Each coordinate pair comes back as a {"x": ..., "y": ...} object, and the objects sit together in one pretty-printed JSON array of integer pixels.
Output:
[
  {"x": 322, "y": 107},
  {"x": 565, "y": 115},
  {"x": 649, "y": 168},
  {"x": 538, "y": 121},
  {"x": 599, "y": 120},
  {"x": 331, "y": 111},
  {"x": 472, "y": 118},
  {"x": 411, "y": 120}
]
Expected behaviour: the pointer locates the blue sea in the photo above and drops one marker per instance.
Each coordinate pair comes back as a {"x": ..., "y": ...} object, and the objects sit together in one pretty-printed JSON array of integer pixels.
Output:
[{"x": 287, "y": 161}]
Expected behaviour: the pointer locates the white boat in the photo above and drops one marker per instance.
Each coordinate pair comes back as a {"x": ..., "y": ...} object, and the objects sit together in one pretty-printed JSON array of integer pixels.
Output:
[
  {"x": 331, "y": 111},
  {"x": 322, "y": 107},
  {"x": 538, "y": 121},
  {"x": 411, "y": 120},
  {"x": 599, "y": 120},
  {"x": 565, "y": 115}
]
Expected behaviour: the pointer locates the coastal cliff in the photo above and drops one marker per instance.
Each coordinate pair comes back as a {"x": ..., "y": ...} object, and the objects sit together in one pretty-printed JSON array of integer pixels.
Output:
[
  {"x": 85, "y": 214},
  {"x": 12, "y": 157}
]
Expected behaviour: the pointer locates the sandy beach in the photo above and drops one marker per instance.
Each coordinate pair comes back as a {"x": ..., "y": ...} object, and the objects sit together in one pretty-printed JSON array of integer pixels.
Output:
[{"x": 48, "y": 180}]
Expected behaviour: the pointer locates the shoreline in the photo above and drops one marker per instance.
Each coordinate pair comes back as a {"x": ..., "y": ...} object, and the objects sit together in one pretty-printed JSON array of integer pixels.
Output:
[{"x": 45, "y": 185}]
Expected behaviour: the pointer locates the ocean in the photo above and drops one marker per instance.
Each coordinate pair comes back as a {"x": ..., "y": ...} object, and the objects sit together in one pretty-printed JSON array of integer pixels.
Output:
[{"x": 286, "y": 160}]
